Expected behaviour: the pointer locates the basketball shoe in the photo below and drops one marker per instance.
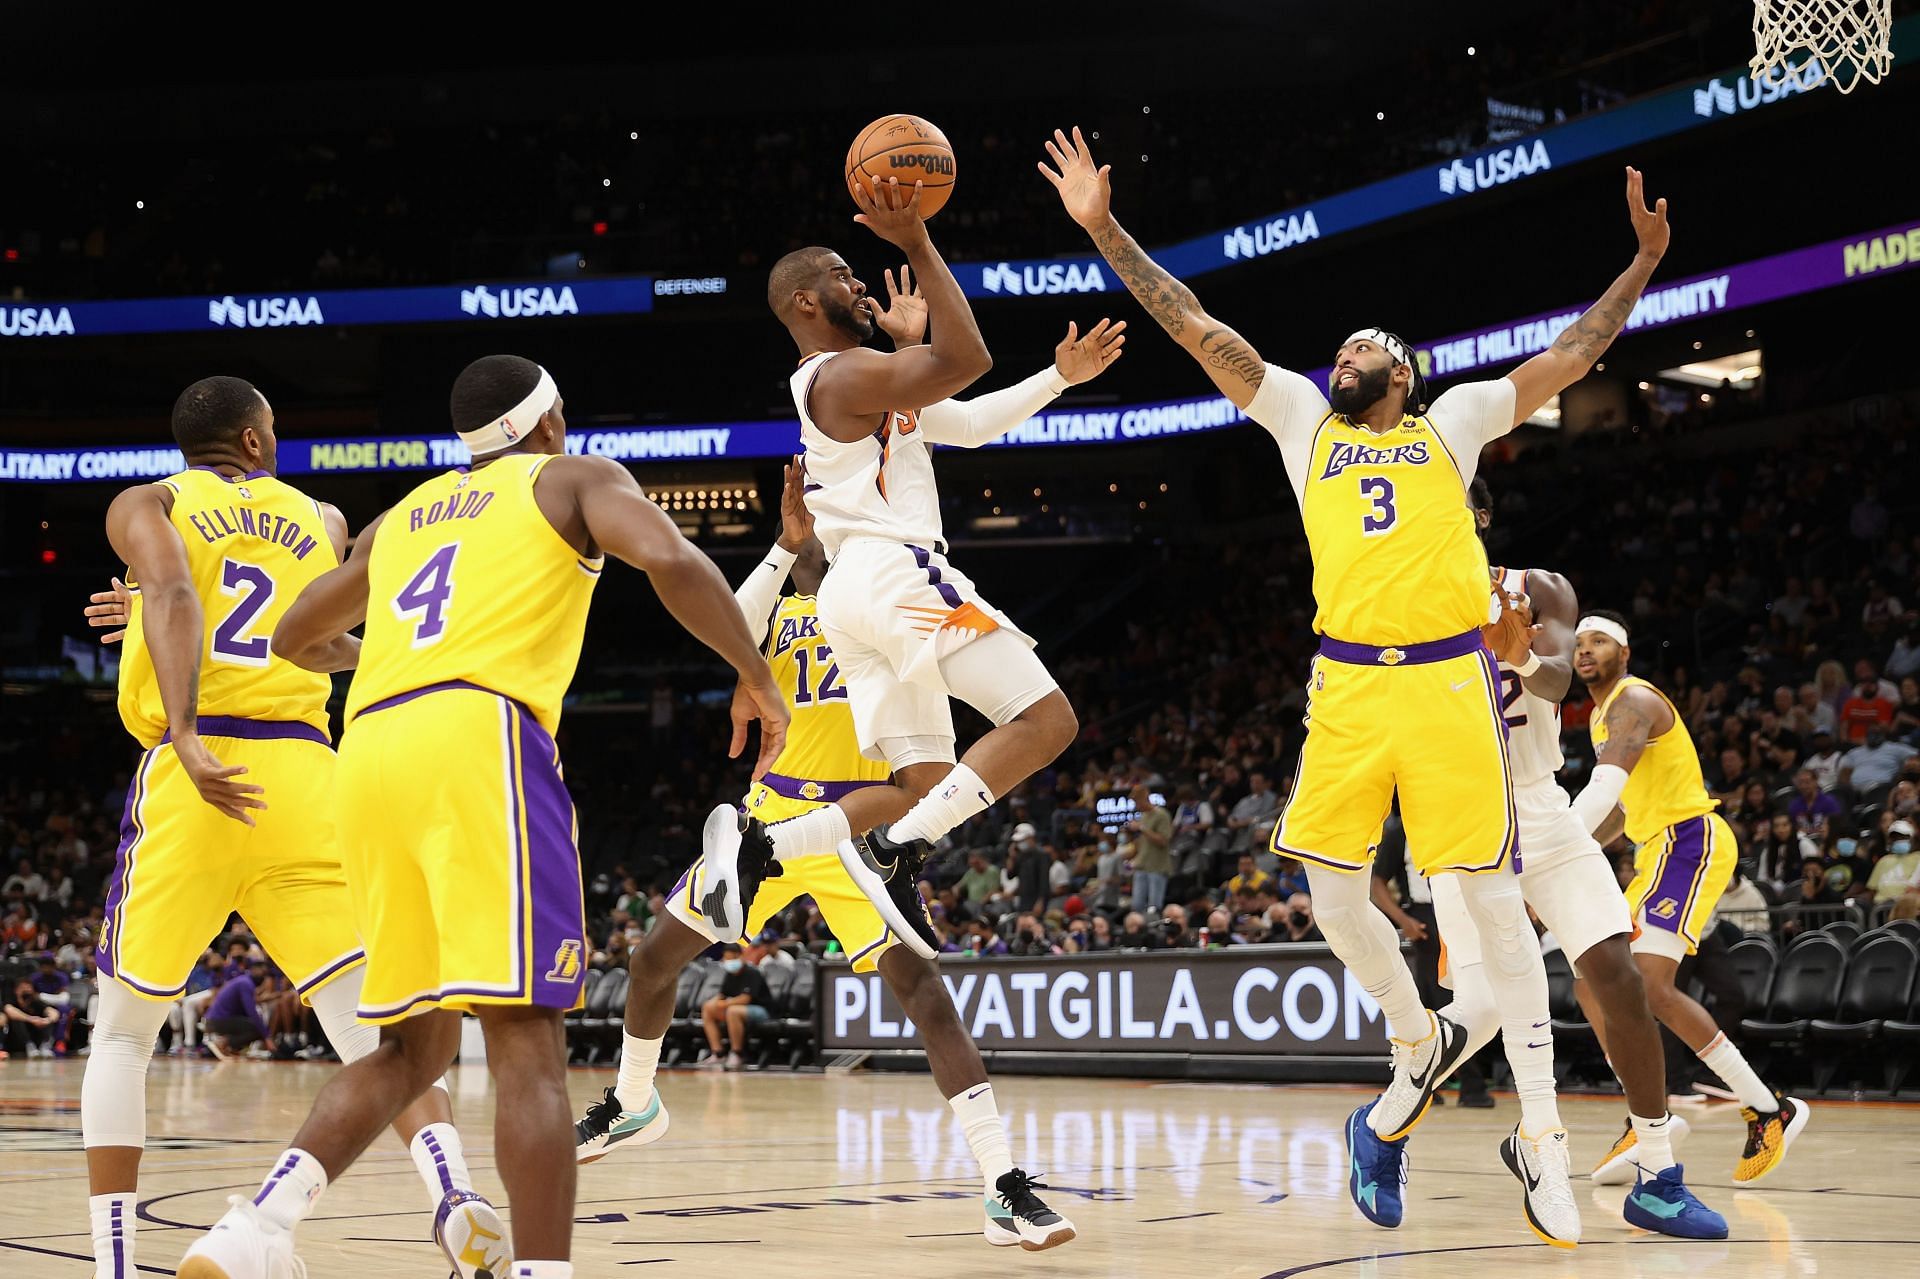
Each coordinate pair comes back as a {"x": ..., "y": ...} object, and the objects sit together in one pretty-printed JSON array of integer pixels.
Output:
[
  {"x": 1418, "y": 1069},
  {"x": 1018, "y": 1216},
  {"x": 1665, "y": 1206},
  {"x": 472, "y": 1236},
  {"x": 243, "y": 1244},
  {"x": 1769, "y": 1135},
  {"x": 738, "y": 856},
  {"x": 1541, "y": 1166},
  {"x": 889, "y": 874},
  {"x": 608, "y": 1124},
  {"x": 1376, "y": 1169},
  {"x": 1618, "y": 1168}
]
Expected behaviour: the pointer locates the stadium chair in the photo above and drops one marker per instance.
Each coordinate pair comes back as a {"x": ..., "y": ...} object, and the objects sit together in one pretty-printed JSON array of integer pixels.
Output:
[
  {"x": 1806, "y": 986},
  {"x": 765, "y": 1036},
  {"x": 1880, "y": 978},
  {"x": 605, "y": 1013},
  {"x": 1755, "y": 959},
  {"x": 1908, "y": 928},
  {"x": 1844, "y": 931},
  {"x": 796, "y": 1028},
  {"x": 685, "y": 1028},
  {"x": 1902, "y": 1038},
  {"x": 576, "y": 1019}
]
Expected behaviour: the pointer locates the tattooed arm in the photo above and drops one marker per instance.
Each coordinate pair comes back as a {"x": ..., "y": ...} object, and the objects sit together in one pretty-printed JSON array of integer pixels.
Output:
[
  {"x": 1635, "y": 718},
  {"x": 1230, "y": 360},
  {"x": 1587, "y": 338}
]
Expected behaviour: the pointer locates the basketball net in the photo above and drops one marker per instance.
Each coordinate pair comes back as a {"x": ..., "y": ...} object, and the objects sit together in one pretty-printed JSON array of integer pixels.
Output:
[{"x": 1849, "y": 38}]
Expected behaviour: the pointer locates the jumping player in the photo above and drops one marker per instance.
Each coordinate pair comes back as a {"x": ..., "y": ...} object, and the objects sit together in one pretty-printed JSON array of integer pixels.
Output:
[
  {"x": 1569, "y": 881},
  {"x": 458, "y": 831},
  {"x": 908, "y": 629},
  {"x": 1646, "y": 781},
  {"x": 231, "y": 808},
  {"x": 821, "y": 764},
  {"x": 1403, "y": 694}
]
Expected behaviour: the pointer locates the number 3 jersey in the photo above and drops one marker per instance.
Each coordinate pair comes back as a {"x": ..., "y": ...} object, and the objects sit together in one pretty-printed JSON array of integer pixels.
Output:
[
  {"x": 253, "y": 544},
  {"x": 1396, "y": 558},
  {"x": 469, "y": 583}
]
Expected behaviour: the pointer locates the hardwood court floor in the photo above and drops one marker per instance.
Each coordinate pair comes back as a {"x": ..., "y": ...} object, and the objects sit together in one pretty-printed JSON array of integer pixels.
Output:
[{"x": 867, "y": 1174}]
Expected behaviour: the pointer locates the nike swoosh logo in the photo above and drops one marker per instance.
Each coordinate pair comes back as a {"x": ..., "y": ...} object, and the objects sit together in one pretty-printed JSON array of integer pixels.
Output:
[
  {"x": 1659, "y": 1207},
  {"x": 1548, "y": 1044},
  {"x": 976, "y": 1092},
  {"x": 1533, "y": 1182},
  {"x": 1463, "y": 683}
]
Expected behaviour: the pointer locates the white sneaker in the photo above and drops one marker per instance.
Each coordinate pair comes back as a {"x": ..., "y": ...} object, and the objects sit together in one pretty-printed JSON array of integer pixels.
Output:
[
  {"x": 720, "y": 873},
  {"x": 1018, "y": 1217},
  {"x": 1418, "y": 1070},
  {"x": 472, "y": 1236},
  {"x": 735, "y": 1061},
  {"x": 243, "y": 1245},
  {"x": 1619, "y": 1167},
  {"x": 1543, "y": 1168}
]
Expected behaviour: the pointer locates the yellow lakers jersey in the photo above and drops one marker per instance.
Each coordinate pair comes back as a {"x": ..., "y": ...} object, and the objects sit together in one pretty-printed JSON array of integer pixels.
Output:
[
  {"x": 468, "y": 582},
  {"x": 821, "y": 743},
  {"x": 1396, "y": 559},
  {"x": 1666, "y": 786},
  {"x": 253, "y": 544}
]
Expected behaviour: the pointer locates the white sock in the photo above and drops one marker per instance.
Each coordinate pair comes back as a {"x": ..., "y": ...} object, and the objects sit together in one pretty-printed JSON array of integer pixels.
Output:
[
  {"x": 441, "y": 1161},
  {"x": 542, "y": 1270},
  {"x": 1726, "y": 1061},
  {"x": 113, "y": 1218},
  {"x": 1653, "y": 1142},
  {"x": 291, "y": 1189},
  {"x": 639, "y": 1059},
  {"x": 1516, "y": 974},
  {"x": 980, "y": 1119},
  {"x": 810, "y": 834},
  {"x": 954, "y": 798}
]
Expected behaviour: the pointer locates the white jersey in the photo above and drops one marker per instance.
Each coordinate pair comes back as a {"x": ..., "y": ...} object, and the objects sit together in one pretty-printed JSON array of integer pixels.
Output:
[
  {"x": 1533, "y": 722},
  {"x": 880, "y": 487}
]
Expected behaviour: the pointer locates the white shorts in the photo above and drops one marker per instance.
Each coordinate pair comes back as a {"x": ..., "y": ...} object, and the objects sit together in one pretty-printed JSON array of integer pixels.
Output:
[
  {"x": 893, "y": 614},
  {"x": 1565, "y": 876}
]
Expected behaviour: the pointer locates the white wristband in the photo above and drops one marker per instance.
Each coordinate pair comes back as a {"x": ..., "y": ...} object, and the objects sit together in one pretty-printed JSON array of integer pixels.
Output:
[
  {"x": 1056, "y": 381},
  {"x": 1529, "y": 666}
]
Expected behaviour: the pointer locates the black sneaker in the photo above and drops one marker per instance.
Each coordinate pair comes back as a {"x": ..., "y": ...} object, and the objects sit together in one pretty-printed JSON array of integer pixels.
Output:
[
  {"x": 889, "y": 874},
  {"x": 1018, "y": 1216},
  {"x": 757, "y": 862}
]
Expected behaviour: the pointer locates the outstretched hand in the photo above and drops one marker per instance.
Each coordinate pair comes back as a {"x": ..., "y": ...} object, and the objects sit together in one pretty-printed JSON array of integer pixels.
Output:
[
  {"x": 1650, "y": 225},
  {"x": 1084, "y": 189},
  {"x": 889, "y": 212},
  {"x": 796, "y": 521},
  {"x": 1081, "y": 359},
  {"x": 905, "y": 318}
]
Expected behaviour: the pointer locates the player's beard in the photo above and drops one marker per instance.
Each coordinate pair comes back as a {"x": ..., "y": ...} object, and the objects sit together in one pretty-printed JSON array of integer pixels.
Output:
[
  {"x": 1362, "y": 394},
  {"x": 855, "y": 322}
]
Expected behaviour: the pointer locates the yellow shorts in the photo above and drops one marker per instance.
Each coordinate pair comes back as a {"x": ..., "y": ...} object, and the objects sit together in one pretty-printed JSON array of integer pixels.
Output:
[
  {"x": 460, "y": 853},
  {"x": 1423, "y": 720},
  {"x": 1678, "y": 878},
  {"x": 183, "y": 867},
  {"x": 858, "y": 926}
]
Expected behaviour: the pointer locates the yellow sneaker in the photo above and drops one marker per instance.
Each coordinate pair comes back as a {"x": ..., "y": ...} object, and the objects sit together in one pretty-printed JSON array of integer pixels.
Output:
[{"x": 1769, "y": 1135}]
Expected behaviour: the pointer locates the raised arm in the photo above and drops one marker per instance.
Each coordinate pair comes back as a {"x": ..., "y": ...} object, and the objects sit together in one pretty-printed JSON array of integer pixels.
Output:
[
  {"x": 1230, "y": 360},
  {"x": 1587, "y": 338},
  {"x": 985, "y": 418},
  {"x": 1636, "y": 717},
  {"x": 760, "y": 593},
  {"x": 1555, "y": 611},
  {"x": 862, "y": 382},
  {"x": 173, "y": 627},
  {"x": 313, "y": 632}
]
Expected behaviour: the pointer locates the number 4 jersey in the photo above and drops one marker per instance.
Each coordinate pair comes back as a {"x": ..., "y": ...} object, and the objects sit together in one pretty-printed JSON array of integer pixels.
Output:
[
  {"x": 468, "y": 583},
  {"x": 1396, "y": 558},
  {"x": 253, "y": 544}
]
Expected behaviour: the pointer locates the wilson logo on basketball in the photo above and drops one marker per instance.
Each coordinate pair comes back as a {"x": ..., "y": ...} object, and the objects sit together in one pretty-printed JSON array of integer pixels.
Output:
[{"x": 927, "y": 162}]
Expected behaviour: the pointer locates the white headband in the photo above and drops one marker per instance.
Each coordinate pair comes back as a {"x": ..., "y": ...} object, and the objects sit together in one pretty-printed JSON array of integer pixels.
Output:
[
  {"x": 1605, "y": 626},
  {"x": 1385, "y": 341},
  {"x": 513, "y": 426}
]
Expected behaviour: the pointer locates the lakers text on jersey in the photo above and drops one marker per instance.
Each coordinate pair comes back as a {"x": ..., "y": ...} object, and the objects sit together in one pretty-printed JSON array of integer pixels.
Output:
[
  {"x": 460, "y": 835},
  {"x": 252, "y": 544}
]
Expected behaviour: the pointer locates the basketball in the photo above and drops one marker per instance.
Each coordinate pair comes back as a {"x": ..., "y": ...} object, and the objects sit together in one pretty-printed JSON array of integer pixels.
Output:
[{"x": 908, "y": 148}]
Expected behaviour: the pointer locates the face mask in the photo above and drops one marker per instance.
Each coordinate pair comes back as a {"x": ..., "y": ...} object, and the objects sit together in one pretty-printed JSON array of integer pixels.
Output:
[
  {"x": 1845, "y": 847},
  {"x": 732, "y": 965},
  {"x": 1901, "y": 847}
]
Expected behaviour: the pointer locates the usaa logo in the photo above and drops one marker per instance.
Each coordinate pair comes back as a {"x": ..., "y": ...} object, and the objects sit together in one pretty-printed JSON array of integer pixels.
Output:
[
  {"x": 566, "y": 962},
  {"x": 1665, "y": 909}
]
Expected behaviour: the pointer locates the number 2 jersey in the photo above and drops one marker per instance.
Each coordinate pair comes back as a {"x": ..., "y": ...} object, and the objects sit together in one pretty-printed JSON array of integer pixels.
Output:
[
  {"x": 468, "y": 583},
  {"x": 253, "y": 544},
  {"x": 1533, "y": 722},
  {"x": 1396, "y": 558}
]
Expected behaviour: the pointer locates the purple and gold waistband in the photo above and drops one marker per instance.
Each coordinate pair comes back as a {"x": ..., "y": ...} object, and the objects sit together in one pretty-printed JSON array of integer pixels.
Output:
[
  {"x": 257, "y": 730},
  {"x": 817, "y": 792},
  {"x": 1402, "y": 655},
  {"x": 388, "y": 703}
]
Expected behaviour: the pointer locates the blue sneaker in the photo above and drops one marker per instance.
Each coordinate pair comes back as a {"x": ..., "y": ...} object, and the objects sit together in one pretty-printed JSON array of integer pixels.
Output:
[
  {"x": 1665, "y": 1206},
  {"x": 1376, "y": 1170}
]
